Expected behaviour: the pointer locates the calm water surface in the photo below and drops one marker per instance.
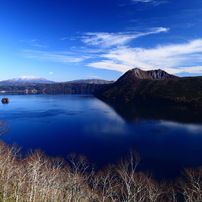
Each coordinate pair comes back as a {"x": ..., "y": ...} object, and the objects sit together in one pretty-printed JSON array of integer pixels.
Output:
[{"x": 167, "y": 139}]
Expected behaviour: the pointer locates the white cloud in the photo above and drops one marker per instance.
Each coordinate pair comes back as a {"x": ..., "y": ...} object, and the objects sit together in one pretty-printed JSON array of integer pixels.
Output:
[
  {"x": 63, "y": 38},
  {"x": 110, "y": 52},
  {"x": 39, "y": 45},
  {"x": 192, "y": 69},
  {"x": 171, "y": 58},
  {"x": 154, "y": 2},
  {"x": 28, "y": 77},
  {"x": 51, "y": 73},
  {"x": 68, "y": 38},
  {"x": 33, "y": 42},
  {"x": 144, "y": 1},
  {"x": 28, "y": 40},
  {"x": 61, "y": 57},
  {"x": 105, "y": 39},
  {"x": 95, "y": 77},
  {"x": 110, "y": 65}
]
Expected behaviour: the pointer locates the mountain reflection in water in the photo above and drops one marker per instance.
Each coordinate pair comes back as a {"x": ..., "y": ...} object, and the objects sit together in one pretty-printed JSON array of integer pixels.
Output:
[{"x": 134, "y": 112}]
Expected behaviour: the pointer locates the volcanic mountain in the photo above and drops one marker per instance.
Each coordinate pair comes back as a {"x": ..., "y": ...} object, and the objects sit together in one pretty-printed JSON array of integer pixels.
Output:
[
  {"x": 136, "y": 75},
  {"x": 153, "y": 87},
  {"x": 153, "y": 74}
]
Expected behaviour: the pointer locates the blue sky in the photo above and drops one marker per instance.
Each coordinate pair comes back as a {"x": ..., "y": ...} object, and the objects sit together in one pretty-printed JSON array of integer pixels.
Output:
[{"x": 64, "y": 40}]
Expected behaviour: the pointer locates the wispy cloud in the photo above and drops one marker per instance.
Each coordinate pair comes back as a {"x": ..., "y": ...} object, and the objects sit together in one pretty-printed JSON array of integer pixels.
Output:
[
  {"x": 172, "y": 58},
  {"x": 110, "y": 65},
  {"x": 33, "y": 42},
  {"x": 105, "y": 39},
  {"x": 28, "y": 40},
  {"x": 154, "y": 2},
  {"x": 112, "y": 51},
  {"x": 94, "y": 77},
  {"x": 144, "y": 1},
  {"x": 192, "y": 69},
  {"x": 39, "y": 45},
  {"x": 63, "y": 38},
  {"x": 71, "y": 38},
  {"x": 61, "y": 57}
]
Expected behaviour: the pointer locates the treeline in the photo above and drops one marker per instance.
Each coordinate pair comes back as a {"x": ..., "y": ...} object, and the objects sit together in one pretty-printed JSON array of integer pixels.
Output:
[
  {"x": 55, "y": 88},
  {"x": 38, "y": 178}
]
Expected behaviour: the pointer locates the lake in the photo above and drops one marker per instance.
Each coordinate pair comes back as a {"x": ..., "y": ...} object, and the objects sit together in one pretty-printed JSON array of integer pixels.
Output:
[{"x": 167, "y": 139}]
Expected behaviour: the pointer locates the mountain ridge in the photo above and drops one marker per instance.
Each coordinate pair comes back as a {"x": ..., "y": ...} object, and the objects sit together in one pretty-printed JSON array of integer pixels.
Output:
[
  {"x": 30, "y": 80},
  {"x": 90, "y": 81}
]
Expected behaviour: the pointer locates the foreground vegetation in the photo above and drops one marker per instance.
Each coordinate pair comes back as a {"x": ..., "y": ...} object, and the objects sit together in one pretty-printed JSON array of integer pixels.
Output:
[{"x": 38, "y": 178}]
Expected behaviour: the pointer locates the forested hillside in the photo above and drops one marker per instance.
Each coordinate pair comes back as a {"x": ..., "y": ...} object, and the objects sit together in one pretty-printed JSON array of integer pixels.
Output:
[{"x": 55, "y": 88}]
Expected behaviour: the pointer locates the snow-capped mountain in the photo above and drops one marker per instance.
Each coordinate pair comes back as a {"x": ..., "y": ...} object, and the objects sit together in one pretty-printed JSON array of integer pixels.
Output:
[{"x": 25, "y": 80}]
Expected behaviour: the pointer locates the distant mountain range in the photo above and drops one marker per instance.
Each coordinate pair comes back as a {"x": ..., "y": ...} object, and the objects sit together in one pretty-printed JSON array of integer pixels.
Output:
[
  {"x": 31, "y": 80},
  {"x": 34, "y": 85},
  {"x": 153, "y": 87},
  {"x": 25, "y": 80}
]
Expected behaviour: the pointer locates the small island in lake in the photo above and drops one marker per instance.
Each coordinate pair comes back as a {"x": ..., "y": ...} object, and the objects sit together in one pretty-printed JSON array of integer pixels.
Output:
[{"x": 5, "y": 100}]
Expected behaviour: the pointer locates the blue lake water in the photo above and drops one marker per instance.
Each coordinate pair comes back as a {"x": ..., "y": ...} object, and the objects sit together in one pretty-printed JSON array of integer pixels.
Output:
[{"x": 61, "y": 124}]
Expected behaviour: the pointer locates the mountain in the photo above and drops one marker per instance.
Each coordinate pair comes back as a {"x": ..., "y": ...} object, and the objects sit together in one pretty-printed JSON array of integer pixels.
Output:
[
  {"x": 90, "y": 81},
  {"x": 154, "y": 87},
  {"x": 151, "y": 75},
  {"x": 30, "y": 80},
  {"x": 35, "y": 85},
  {"x": 25, "y": 80},
  {"x": 160, "y": 75}
]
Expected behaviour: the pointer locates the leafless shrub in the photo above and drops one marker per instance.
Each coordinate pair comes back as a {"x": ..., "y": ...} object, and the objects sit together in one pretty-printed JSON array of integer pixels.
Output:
[
  {"x": 170, "y": 192},
  {"x": 191, "y": 185},
  {"x": 104, "y": 184},
  {"x": 3, "y": 127},
  {"x": 134, "y": 185},
  {"x": 38, "y": 178}
]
